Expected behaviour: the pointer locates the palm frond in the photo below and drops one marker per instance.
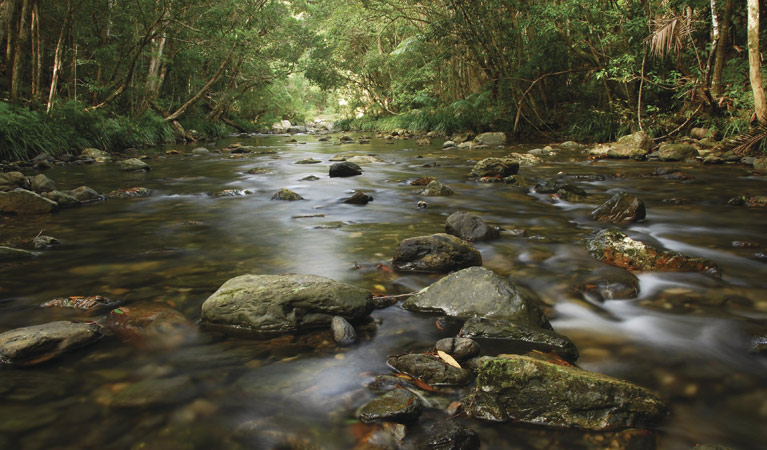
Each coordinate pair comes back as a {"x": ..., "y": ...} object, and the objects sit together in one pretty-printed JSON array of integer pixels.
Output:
[{"x": 747, "y": 142}]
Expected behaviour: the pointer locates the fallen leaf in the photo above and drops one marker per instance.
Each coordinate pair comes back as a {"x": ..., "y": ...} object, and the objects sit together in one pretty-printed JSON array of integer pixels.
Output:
[{"x": 448, "y": 359}]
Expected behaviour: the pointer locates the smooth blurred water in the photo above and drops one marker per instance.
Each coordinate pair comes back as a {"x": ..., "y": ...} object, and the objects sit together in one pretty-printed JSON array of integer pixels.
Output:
[{"x": 685, "y": 336}]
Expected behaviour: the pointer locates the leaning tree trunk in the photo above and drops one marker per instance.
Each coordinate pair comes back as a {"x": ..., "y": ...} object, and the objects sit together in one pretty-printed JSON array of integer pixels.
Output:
[
  {"x": 755, "y": 63},
  {"x": 721, "y": 49},
  {"x": 21, "y": 39},
  {"x": 57, "y": 55}
]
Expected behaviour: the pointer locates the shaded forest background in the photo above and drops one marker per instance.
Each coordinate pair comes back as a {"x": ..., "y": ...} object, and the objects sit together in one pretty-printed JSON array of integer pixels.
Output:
[{"x": 125, "y": 73}]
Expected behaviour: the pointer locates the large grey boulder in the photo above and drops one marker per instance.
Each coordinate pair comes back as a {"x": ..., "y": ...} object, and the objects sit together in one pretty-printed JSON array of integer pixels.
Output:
[
  {"x": 477, "y": 292},
  {"x": 494, "y": 138},
  {"x": 438, "y": 253},
  {"x": 21, "y": 201},
  {"x": 524, "y": 389},
  {"x": 634, "y": 146},
  {"x": 272, "y": 304},
  {"x": 495, "y": 167},
  {"x": 470, "y": 227},
  {"x": 35, "y": 344},
  {"x": 621, "y": 208}
]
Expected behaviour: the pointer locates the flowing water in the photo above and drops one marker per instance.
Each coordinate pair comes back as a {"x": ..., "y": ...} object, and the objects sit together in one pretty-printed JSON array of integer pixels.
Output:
[{"x": 685, "y": 336}]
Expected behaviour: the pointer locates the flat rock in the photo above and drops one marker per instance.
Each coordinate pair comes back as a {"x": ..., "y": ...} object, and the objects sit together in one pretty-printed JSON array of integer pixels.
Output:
[
  {"x": 32, "y": 345},
  {"x": 477, "y": 292},
  {"x": 676, "y": 152},
  {"x": 399, "y": 405},
  {"x": 615, "y": 248},
  {"x": 271, "y": 304},
  {"x": 470, "y": 227},
  {"x": 63, "y": 199},
  {"x": 523, "y": 336},
  {"x": 22, "y": 202},
  {"x": 430, "y": 369},
  {"x": 438, "y": 253},
  {"x": 621, "y": 208},
  {"x": 7, "y": 253},
  {"x": 528, "y": 390},
  {"x": 345, "y": 169},
  {"x": 437, "y": 189},
  {"x": 493, "y": 138}
]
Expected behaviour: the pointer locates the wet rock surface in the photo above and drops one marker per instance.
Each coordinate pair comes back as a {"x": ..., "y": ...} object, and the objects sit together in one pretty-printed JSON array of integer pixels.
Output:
[
  {"x": 470, "y": 227},
  {"x": 273, "y": 304},
  {"x": 345, "y": 169},
  {"x": 614, "y": 247},
  {"x": 130, "y": 193},
  {"x": 90, "y": 303},
  {"x": 495, "y": 167},
  {"x": 622, "y": 208},
  {"x": 447, "y": 435},
  {"x": 676, "y": 152},
  {"x": 437, "y": 189},
  {"x": 459, "y": 348},
  {"x": 430, "y": 369},
  {"x": 524, "y": 389},
  {"x": 149, "y": 325},
  {"x": 33, "y": 345},
  {"x": 399, "y": 405},
  {"x": 343, "y": 331},
  {"x": 133, "y": 164},
  {"x": 286, "y": 195},
  {"x": 359, "y": 198},
  {"x": 21, "y": 201},
  {"x": 438, "y": 253},
  {"x": 477, "y": 292},
  {"x": 522, "y": 336}
]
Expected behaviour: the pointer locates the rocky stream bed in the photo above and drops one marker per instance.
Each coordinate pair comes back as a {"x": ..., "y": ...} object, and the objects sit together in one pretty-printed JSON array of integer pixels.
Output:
[{"x": 346, "y": 291}]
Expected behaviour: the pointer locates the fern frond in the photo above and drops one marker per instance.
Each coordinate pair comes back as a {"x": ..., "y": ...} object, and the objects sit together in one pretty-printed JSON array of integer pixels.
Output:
[{"x": 745, "y": 143}]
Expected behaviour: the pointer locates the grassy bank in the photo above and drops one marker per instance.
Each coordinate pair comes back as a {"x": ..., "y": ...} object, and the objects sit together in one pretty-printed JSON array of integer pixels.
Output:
[{"x": 25, "y": 134}]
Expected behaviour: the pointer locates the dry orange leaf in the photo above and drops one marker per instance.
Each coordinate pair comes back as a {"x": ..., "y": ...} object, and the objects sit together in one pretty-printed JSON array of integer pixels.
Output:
[{"x": 448, "y": 359}]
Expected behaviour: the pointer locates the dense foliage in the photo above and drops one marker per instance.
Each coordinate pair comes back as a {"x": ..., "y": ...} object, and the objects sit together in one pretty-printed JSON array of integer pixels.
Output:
[{"x": 143, "y": 71}]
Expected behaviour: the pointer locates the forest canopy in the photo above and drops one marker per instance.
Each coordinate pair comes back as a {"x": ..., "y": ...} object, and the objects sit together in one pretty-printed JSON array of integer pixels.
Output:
[{"x": 118, "y": 73}]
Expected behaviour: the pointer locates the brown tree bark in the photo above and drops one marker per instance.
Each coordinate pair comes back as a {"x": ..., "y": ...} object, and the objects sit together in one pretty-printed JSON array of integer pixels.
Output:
[
  {"x": 755, "y": 63},
  {"x": 22, "y": 36},
  {"x": 721, "y": 50}
]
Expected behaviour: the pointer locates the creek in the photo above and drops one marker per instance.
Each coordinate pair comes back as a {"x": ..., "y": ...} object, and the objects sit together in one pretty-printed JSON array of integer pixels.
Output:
[{"x": 685, "y": 336}]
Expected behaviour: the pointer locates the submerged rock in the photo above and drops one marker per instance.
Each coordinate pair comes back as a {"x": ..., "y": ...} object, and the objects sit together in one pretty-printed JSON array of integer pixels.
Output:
[
  {"x": 364, "y": 159},
  {"x": 432, "y": 370},
  {"x": 94, "y": 302},
  {"x": 39, "y": 343},
  {"x": 621, "y": 208},
  {"x": 345, "y": 169},
  {"x": 448, "y": 435},
  {"x": 556, "y": 187},
  {"x": 43, "y": 241},
  {"x": 286, "y": 195},
  {"x": 23, "y": 202},
  {"x": 609, "y": 283},
  {"x": 133, "y": 164},
  {"x": 269, "y": 304},
  {"x": 459, "y": 348},
  {"x": 438, "y": 253},
  {"x": 524, "y": 336},
  {"x": 308, "y": 161},
  {"x": 477, "y": 292},
  {"x": 343, "y": 331},
  {"x": 359, "y": 198},
  {"x": 149, "y": 324},
  {"x": 615, "y": 248},
  {"x": 155, "y": 392},
  {"x": 13, "y": 253},
  {"x": 470, "y": 227},
  {"x": 129, "y": 193},
  {"x": 399, "y": 405},
  {"x": 437, "y": 189},
  {"x": 523, "y": 389},
  {"x": 495, "y": 167}
]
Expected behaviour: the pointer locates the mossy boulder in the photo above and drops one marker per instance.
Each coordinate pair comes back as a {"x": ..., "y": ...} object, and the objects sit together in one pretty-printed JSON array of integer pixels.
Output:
[
  {"x": 676, "y": 152},
  {"x": 12, "y": 180},
  {"x": 495, "y": 167},
  {"x": 521, "y": 336},
  {"x": 286, "y": 195},
  {"x": 430, "y": 369},
  {"x": 615, "y": 248},
  {"x": 100, "y": 156},
  {"x": 493, "y": 138},
  {"x": 438, "y": 253},
  {"x": 21, "y": 201},
  {"x": 274, "y": 304},
  {"x": 133, "y": 164},
  {"x": 41, "y": 183},
  {"x": 437, "y": 189},
  {"x": 399, "y": 405},
  {"x": 528, "y": 390}
]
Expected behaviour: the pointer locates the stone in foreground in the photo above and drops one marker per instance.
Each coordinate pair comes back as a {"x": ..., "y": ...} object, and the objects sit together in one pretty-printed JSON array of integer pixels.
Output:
[
  {"x": 399, "y": 405},
  {"x": 274, "y": 304},
  {"x": 39, "y": 343},
  {"x": 21, "y": 201},
  {"x": 470, "y": 227},
  {"x": 343, "y": 331},
  {"x": 621, "y": 208},
  {"x": 448, "y": 435},
  {"x": 344, "y": 169},
  {"x": 437, "y": 189},
  {"x": 430, "y": 369},
  {"x": 615, "y": 248},
  {"x": 495, "y": 167},
  {"x": 524, "y": 389},
  {"x": 477, "y": 292},
  {"x": 438, "y": 253},
  {"x": 459, "y": 348},
  {"x": 522, "y": 336},
  {"x": 286, "y": 195}
]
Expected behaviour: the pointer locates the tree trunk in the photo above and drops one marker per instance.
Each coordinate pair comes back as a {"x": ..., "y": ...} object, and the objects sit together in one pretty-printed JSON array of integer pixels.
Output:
[
  {"x": 37, "y": 57},
  {"x": 721, "y": 50},
  {"x": 57, "y": 57},
  {"x": 216, "y": 76},
  {"x": 20, "y": 41},
  {"x": 755, "y": 63}
]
